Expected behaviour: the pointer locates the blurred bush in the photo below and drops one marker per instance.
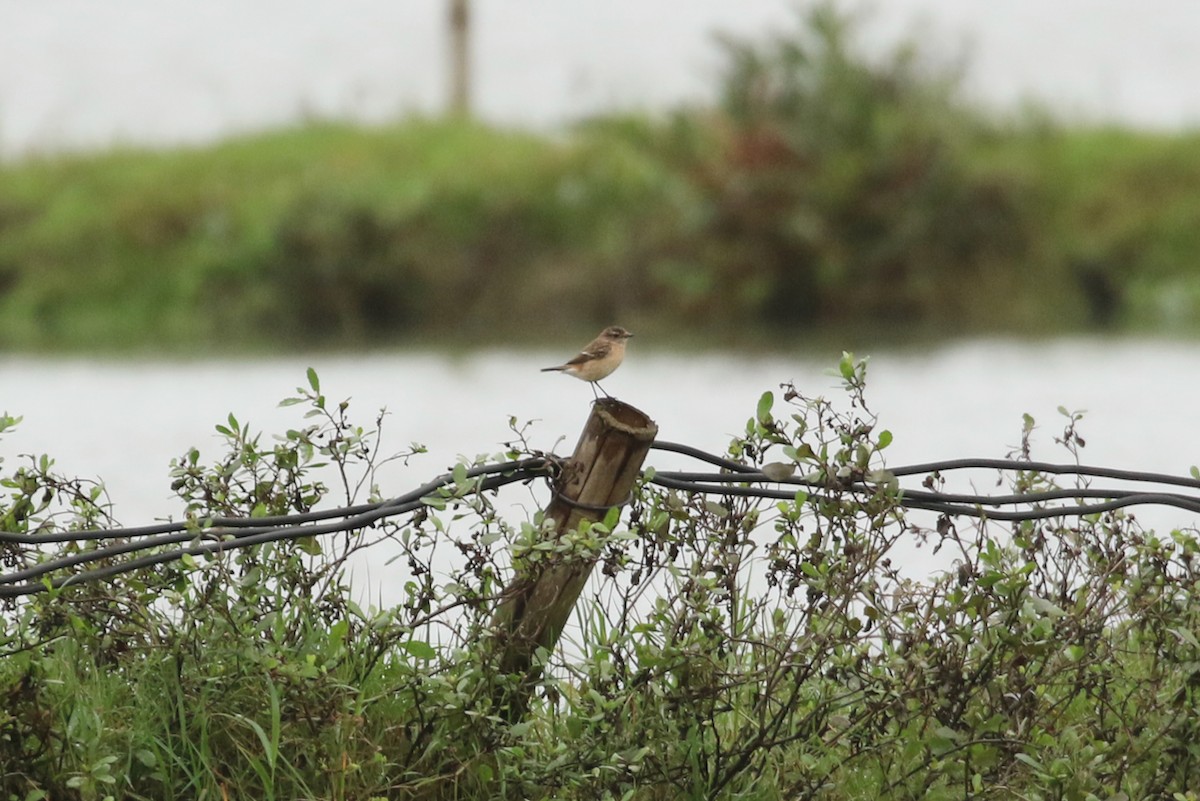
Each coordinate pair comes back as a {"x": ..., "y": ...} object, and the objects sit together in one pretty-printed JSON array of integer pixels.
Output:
[
  {"x": 842, "y": 188},
  {"x": 828, "y": 191}
]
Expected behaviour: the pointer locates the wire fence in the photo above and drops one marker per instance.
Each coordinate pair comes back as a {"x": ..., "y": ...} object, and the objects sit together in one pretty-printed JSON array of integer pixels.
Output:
[{"x": 144, "y": 546}]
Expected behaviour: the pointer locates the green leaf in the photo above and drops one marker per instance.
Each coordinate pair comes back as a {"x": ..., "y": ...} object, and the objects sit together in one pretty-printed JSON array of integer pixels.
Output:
[
  {"x": 1186, "y": 636},
  {"x": 419, "y": 649},
  {"x": 1046, "y": 607},
  {"x": 885, "y": 479},
  {"x": 801, "y": 454},
  {"x": 716, "y": 509},
  {"x": 885, "y": 439},
  {"x": 846, "y": 365},
  {"x": 1030, "y": 761},
  {"x": 310, "y": 545},
  {"x": 313, "y": 380},
  {"x": 764, "y": 408},
  {"x": 779, "y": 471}
]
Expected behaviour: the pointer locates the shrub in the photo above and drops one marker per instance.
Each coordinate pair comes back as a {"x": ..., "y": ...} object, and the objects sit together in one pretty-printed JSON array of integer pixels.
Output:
[
  {"x": 842, "y": 188},
  {"x": 730, "y": 649}
]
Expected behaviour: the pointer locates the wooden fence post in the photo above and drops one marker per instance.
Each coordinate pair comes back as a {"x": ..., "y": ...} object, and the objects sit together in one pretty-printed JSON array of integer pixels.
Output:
[
  {"x": 599, "y": 476},
  {"x": 460, "y": 58}
]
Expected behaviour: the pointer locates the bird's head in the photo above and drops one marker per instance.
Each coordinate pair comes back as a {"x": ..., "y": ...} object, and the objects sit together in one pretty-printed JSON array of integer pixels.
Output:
[{"x": 616, "y": 333}]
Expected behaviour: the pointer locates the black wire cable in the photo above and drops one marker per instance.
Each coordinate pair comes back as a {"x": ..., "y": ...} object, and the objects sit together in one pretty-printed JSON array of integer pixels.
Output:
[
  {"x": 219, "y": 534},
  {"x": 953, "y": 503},
  {"x": 964, "y": 464},
  {"x": 704, "y": 456},
  {"x": 226, "y": 539},
  {"x": 1182, "y": 501},
  {"x": 1046, "y": 467},
  {"x": 974, "y": 510},
  {"x": 248, "y": 522},
  {"x": 167, "y": 528}
]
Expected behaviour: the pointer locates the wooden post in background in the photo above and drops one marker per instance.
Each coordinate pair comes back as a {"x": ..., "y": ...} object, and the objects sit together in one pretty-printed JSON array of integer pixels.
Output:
[
  {"x": 460, "y": 58},
  {"x": 599, "y": 476}
]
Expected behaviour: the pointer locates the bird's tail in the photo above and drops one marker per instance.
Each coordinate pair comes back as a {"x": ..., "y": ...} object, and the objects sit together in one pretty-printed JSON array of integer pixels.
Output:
[{"x": 558, "y": 369}]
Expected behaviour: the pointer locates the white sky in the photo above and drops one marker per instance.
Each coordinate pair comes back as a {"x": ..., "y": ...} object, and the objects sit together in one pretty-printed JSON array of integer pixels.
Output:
[{"x": 83, "y": 73}]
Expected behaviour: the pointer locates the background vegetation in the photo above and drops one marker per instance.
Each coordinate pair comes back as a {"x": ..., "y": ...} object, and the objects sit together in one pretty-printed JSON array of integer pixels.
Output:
[
  {"x": 827, "y": 191},
  {"x": 734, "y": 650}
]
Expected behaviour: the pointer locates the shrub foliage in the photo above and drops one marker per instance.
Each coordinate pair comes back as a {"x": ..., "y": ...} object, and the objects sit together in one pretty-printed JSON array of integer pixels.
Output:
[{"x": 728, "y": 648}]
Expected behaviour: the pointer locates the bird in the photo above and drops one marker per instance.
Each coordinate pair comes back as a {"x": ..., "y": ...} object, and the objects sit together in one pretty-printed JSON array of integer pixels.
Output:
[{"x": 598, "y": 359}]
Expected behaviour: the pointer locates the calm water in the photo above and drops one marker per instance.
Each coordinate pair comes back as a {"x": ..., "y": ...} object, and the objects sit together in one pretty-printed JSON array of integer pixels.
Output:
[
  {"x": 124, "y": 421},
  {"x": 81, "y": 73}
]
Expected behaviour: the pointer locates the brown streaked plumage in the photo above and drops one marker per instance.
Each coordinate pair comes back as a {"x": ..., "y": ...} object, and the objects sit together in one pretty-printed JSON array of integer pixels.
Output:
[{"x": 596, "y": 361}]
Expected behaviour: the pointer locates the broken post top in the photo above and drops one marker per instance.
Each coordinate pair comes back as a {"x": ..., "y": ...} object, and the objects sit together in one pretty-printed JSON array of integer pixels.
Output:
[{"x": 626, "y": 419}]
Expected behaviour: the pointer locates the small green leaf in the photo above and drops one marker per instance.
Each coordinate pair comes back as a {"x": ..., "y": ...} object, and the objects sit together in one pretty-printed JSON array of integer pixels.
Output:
[
  {"x": 846, "y": 365},
  {"x": 1030, "y": 761},
  {"x": 715, "y": 508},
  {"x": 885, "y": 439},
  {"x": 310, "y": 545},
  {"x": 884, "y": 478},
  {"x": 313, "y": 380},
  {"x": 779, "y": 471},
  {"x": 1046, "y": 607},
  {"x": 1186, "y": 636},
  {"x": 419, "y": 649},
  {"x": 764, "y": 408}
]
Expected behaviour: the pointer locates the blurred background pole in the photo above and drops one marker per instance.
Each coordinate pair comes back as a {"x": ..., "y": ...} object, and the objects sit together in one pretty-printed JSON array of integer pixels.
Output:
[{"x": 460, "y": 58}]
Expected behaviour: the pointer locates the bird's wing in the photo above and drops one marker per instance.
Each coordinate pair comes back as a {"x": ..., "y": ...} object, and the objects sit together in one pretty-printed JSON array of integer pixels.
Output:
[{"x": 586, "y": 356}]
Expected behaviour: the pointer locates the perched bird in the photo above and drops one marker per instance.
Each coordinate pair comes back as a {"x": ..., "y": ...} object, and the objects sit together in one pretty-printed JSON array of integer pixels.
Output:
[{"x": 596, "y": 361}]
